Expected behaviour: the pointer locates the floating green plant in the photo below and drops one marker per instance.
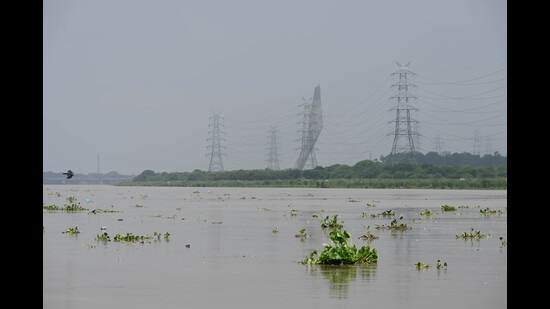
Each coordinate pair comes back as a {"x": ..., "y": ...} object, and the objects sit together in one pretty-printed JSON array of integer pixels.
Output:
[
  {"x": 427, "y": 213},
  {"x": 275, "y": 231},
  {"x": 52, "y": 207},
  {"x": 448, "y": 208},
  {"x": 472, "y": 235},
  {"x": 302, "y": 234},
  {"x": 394, "y": 225},
  {"x": 342, "y": 252},
  {"x": 104, "y": 237},
  {"x": 73, "y": 205},
  {"x": 423, "y": 266},
  {"x": 129, "y": 237},
  {"x": 332, "y": 223},
  {"x": 487, "y": 211},
  {"x": 385, "y": 213},
  {"x": 166, "y": 235},
  {"x": 72, "y": 230},
  {"x": 368, "y": 235}
]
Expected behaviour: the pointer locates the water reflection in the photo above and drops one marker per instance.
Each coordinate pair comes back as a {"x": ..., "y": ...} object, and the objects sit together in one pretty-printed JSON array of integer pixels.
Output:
[{"x": 340, "y": 277}]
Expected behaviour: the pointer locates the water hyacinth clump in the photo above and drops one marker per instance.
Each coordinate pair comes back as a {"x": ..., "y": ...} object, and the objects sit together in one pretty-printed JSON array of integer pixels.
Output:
[{"x": 342, "y": 252}]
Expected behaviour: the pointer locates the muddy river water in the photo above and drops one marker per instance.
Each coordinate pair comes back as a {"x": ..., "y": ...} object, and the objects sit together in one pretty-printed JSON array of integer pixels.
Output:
[{"x": 238, "y": 248}]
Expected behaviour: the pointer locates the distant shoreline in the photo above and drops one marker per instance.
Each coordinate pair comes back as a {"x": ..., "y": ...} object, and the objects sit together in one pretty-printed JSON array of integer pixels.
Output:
[{"x": 456, "y": 184}]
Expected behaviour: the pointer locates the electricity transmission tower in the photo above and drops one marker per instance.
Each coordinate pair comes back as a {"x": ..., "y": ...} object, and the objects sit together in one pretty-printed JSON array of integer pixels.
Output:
[
  {"x": 488, "y": 145},
  {"x": 438, "y": 145},
  {"x": 477, "y": 143},
  {"x": 404, "y": 135},
  {"x": 312, "y": 125},
  {"x": 272, "y": 150},
  {"x": 215, "y": 145}
]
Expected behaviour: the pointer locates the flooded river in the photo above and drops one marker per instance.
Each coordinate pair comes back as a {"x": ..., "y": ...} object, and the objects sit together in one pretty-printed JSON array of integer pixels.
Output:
[{"x": 238, "y": 248}]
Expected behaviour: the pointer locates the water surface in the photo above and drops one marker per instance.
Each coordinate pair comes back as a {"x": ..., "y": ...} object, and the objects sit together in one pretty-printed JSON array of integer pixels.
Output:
[{"x": 223, "y": 251}]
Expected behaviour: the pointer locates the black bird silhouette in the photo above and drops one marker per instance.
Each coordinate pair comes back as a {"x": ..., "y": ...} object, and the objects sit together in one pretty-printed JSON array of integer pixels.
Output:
[{"x": 69, "y": 174}]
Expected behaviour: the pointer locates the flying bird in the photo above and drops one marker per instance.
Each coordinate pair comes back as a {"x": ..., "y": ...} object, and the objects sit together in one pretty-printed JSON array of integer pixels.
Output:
[{"x": 69, "y": 174}]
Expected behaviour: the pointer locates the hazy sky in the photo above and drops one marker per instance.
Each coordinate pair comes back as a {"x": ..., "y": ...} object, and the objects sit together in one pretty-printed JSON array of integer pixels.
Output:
[{"x": 135, "y": 82}]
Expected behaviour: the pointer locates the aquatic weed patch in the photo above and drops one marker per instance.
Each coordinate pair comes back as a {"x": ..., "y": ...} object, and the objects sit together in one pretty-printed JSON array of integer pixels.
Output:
[
  {"x": 332, "y": 223},
  {"x": 427, "y": 213},
  {"x": 130, "y": 237},
  {"x": 302, "y": 234},
  {"x": 73, "y": 205},
  {"x": 423, "y": 266},
  {"x": 71, "y": 230},
  {"x": 368, "y": 236},
  {"x": 385, "y": 213},
  {"x": 488, "y": 211},
  {"x": 447, "y": 208},
  {"x": 342, "y": 252},
  {"x": 472, "y": 235},
  {"x": 394, "y": 226}
]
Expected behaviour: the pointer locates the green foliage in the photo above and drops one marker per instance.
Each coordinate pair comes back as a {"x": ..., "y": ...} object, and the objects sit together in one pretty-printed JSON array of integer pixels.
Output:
[
  {"x": 472, "y": 235},
  {"x": 427, "y": 213},
  {"x": 302, "y": 234},
  {"x": 448, "y": 208},
  {"x": 51, "y": 207},
  {"x": 423, "y": 266},
  {"x": 487, "y": 211},
  {"x": 129, "y": 237},
  {"x": 394, "y": 225},
  {"x": 332, "y": 223},
  {"x": 72, "y": 205},
  {"x": 342, "y": 252},
  {"x": 457, "y": 171},
  {"x": 368, "y": 235},
  {"x": 72, "y": 230},
  {"x": 104, "y": 237}
]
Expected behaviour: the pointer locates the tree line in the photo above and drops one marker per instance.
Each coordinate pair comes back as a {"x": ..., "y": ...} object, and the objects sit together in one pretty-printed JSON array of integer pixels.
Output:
[{"x": 429, "y": 166}]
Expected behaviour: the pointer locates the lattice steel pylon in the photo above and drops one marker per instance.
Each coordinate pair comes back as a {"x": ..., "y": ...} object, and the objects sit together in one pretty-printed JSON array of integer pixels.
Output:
[
  {"x": 272, "y": 150},
  {"x": 215, "y": 146},
  {"x": 312, "y": 126},
  {"x": 404, "y": 135},
  {"x": 477, "y": 143},
  {"x": 438, "y": 145}
]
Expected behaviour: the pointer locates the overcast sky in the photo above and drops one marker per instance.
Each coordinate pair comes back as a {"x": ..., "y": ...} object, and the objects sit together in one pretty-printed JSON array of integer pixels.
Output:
[{"x": 133, "y": 84}]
